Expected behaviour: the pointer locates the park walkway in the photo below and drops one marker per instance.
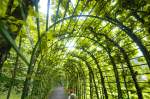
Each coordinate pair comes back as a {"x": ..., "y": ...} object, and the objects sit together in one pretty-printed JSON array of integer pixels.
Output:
[{"x": 58, "y": 93}]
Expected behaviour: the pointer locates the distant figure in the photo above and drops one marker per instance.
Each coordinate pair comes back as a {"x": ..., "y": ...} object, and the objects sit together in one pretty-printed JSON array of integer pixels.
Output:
[
  {"x": 58, "y": 93},
  {"x": 72, "y": 95}
]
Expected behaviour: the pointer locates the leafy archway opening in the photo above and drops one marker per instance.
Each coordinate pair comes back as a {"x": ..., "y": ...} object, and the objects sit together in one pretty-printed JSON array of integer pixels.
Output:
[{"x": 98, "y": 48}]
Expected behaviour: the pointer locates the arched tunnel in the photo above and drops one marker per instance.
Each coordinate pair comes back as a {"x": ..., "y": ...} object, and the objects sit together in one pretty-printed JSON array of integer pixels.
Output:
[{"x": 100, "y": 49}]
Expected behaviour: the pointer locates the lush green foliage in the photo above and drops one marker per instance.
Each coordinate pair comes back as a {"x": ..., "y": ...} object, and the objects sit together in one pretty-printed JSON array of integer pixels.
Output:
[{"x": 99, "y": 48}]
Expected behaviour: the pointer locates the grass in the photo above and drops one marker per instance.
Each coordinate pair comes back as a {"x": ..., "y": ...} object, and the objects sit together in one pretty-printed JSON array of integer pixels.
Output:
[{"x": 14, "y": 95}]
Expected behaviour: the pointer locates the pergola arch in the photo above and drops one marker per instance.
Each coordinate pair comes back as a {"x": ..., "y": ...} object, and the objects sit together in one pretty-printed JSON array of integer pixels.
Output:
[
  {"x": 124, "y": 55},
  {"x": 79, "y": 66},
  {"x": 90, "y": 74},
  {"x": 112, "y": 21},
  {"x": 102, "y": 36}
]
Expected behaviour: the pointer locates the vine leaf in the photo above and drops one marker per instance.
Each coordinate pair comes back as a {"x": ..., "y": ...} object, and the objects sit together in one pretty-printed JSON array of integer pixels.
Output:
[{"x": 7, "y": 36}]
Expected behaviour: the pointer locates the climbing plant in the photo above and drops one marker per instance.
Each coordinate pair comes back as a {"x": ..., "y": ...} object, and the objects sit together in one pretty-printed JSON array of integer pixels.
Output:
[{"x": 97, "y": 48}]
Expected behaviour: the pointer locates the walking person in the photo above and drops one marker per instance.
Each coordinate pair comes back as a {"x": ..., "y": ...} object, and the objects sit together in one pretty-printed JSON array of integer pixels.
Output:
[{"x": 72, "y": 95}]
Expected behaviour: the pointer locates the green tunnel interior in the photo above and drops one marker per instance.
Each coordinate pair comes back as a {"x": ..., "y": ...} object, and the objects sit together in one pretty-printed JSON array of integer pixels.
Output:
[{"x": 98, "y": 48}]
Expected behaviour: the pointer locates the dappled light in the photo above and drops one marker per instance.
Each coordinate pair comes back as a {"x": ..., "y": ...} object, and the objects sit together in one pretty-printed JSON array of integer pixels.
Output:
[{"x": 86, "y": 49}]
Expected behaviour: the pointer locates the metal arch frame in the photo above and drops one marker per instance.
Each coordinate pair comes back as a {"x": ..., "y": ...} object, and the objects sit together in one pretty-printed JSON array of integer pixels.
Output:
[
  {"x": 93, "y": 74},
  {"x": 128, "y": 62},
  {"x": 144, "y": 50},
  {"x": 82, "y": 70},
  {"x": 115, "y": 22},
  {"x": 122, "y": 27},
  {"x": 125, "y": 58},
  {"x": 100, "y": 71},
  {"x": 90, "y": 74},
  {"x": 114, "y": 66},
  {"x": 84, "y": 77}
]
